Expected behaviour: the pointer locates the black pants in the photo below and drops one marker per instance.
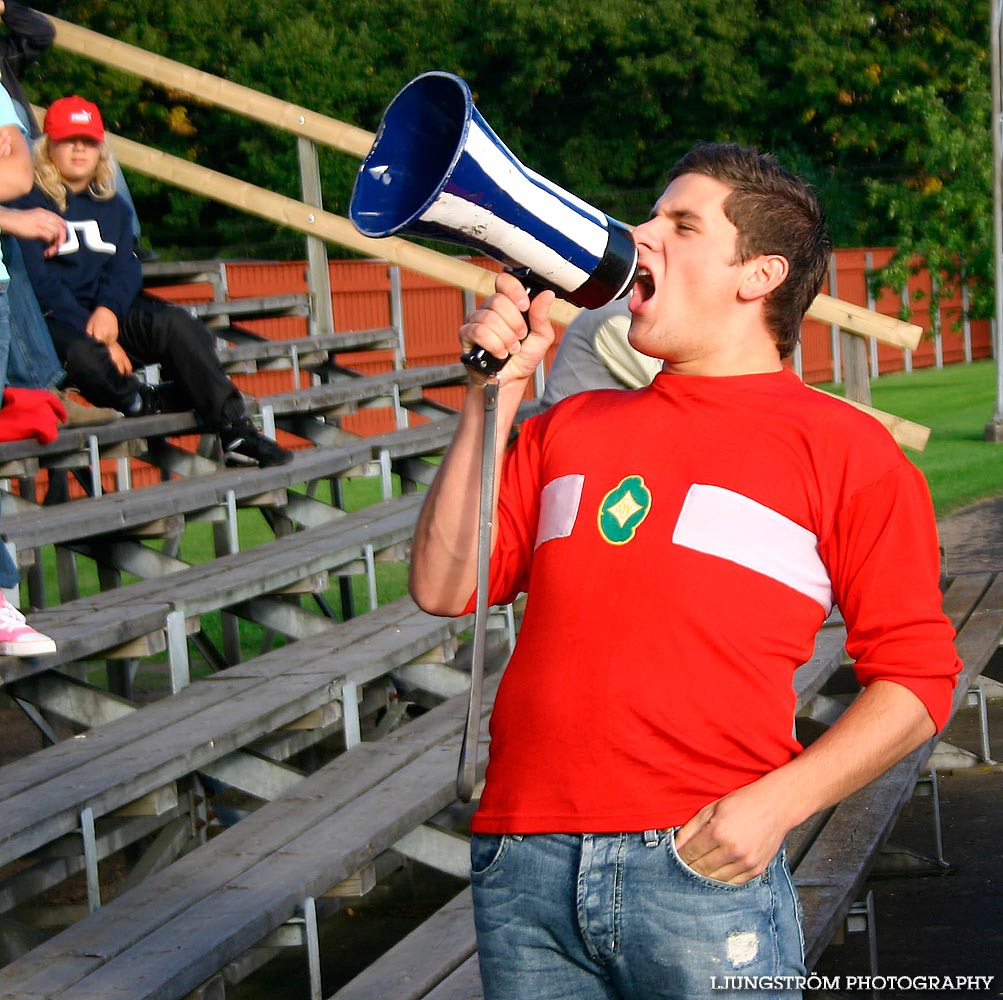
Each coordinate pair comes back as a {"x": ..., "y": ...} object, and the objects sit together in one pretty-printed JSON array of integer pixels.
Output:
[{"x": 153, "y": 332}]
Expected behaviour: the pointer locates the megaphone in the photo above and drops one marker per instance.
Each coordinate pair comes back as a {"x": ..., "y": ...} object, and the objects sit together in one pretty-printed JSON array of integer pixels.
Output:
[{"x": 436, "y": 169}]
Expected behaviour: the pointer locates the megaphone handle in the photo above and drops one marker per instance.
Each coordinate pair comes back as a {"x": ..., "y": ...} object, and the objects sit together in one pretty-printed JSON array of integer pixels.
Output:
[
  {"x": 466, "y": 775},
  {"x": 480, "y": 360}
]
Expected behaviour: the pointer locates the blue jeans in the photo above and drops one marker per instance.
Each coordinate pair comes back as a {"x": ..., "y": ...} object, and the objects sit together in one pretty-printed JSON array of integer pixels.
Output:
[
  {"x": 622, "y": 917},
  {"x": 9, "y": 575},
  {"x": 32, "y": 361}
]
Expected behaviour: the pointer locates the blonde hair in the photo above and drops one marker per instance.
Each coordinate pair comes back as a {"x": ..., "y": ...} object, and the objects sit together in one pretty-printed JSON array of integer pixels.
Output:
[{"x": 50, "y": 180}]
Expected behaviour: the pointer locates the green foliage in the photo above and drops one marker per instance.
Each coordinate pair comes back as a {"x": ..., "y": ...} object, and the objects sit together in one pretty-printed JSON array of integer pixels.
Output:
[{"x": 883, "y": 105}]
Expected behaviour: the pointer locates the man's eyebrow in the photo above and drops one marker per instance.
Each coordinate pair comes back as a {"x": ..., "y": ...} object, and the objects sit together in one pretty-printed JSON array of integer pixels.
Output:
[{"x": 676, "y": 215}]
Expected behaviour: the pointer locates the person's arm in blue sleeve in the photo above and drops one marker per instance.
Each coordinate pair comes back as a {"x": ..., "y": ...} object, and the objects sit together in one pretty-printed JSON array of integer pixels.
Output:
[{"x": 54, "y": 298}]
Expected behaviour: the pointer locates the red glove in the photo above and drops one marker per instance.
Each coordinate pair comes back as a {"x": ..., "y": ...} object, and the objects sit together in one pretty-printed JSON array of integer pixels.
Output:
[{"x": 30, "y": 413}]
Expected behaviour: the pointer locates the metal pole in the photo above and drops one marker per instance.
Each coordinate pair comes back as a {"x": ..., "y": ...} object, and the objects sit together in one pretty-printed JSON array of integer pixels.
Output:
[
  {"x": 466, "y": 773},
  {"x": 994, "y": 430}
]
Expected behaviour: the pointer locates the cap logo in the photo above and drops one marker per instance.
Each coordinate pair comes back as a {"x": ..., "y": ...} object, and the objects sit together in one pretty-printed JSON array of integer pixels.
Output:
[{"x": 80, "y": 117}]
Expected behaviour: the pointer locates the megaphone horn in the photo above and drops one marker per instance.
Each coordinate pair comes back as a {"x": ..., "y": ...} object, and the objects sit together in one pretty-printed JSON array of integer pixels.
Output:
[{"x": 436, "y": 169}]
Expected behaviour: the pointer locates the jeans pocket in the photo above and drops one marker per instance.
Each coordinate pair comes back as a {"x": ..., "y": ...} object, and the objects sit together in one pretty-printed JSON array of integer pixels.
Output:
[
  {"x": 711, "y": 883},
  {"x": 486, "y": 853}
]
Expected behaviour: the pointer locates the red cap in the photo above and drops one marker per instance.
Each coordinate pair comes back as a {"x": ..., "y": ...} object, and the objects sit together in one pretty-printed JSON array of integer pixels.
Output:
[{"x": 73, "y": 118}]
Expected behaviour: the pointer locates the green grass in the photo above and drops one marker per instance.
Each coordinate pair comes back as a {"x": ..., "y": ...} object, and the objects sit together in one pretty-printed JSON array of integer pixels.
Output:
[{"x": 956, "y": 403}]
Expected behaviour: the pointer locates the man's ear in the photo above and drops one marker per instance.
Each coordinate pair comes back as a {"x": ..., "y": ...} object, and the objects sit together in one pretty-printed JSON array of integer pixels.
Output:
[{"x": 763, "y": 274}]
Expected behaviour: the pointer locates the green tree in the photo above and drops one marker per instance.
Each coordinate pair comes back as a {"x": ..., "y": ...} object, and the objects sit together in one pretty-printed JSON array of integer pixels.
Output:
[{"x": 883, "y": 105}]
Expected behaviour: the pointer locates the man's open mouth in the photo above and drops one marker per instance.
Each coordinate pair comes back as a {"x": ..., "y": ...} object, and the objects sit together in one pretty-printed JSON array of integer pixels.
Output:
[{"x": 644, "y": 283}]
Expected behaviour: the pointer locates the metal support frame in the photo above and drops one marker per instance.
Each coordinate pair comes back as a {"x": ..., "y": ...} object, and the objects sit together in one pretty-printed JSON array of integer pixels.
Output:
[
  {"x": 401, "y": 416},
  {"x": 123, "y": 473},
  {"x": 350, "y": 710},
  {"x": 37, "y": 719},
  {"x": 369, "y": 554},
  {"x": 907, "y": 353},
  {"x": 386, "y": 475},
  {"x": 177, "y": 651},
  {"x": 268, "y": 420},
  {"x": 13, "y": 594},
  {"x": 304, "y": 931},
  {"x": 976, "y": 697},
  {"x": 227, "y": 542},
  {"x": 87, "y": 832},
  {"x": 439, "y": 849},
  {"x": 94, "y": 464},
  {"x": 861, "y": 917},
  {"x": 936, "y": 324},
  {"x": 312, "y": 940},
  {"x": 509, "y": 613},
  {"x": 994, "y": 430},
  {"x": 397, "y": 315},
  {"x": 966, "y": 319},
  {"x": 931, "y": 783},
  {"x": 835, "y": 345},
  {"x": 873, "y": 306}
]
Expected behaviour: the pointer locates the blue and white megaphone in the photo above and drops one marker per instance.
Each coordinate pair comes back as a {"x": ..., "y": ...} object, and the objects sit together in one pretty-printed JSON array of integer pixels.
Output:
[{"x": 437, "y": 170}]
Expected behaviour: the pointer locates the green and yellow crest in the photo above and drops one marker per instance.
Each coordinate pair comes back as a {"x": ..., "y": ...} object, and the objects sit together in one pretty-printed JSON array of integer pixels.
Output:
[{"x": 623, "y": 509}]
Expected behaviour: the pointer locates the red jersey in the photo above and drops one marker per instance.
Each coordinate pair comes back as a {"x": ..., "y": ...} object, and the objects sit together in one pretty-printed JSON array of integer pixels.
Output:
[{"x": 681, "y": 545}]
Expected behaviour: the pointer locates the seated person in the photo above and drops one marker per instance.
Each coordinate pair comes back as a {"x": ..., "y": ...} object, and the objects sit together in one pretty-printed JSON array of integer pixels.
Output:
[
  {"x": 90, "y": 291},
  {"x": 32, "y": 362},
  {"x": 17, "y": 637},
  {"x": 594, "y": 354}
]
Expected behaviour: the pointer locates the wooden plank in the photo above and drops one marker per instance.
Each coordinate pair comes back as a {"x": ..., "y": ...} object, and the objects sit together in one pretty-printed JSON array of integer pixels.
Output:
[
  {"x": 81, "y": 633},
  {"x": 425, "y": 439},
  {"x": 219, "y": 928},
  {"x": 833, "y": 872},
  {"x": 22, "y": 775},
  {"x": 421, "y": 960},
  {"x": 129, "y": 769},
  {"x": 286, "y": 304},
  {"x": 829, "y": 654},
  {"x": 324, "y": 343},
  {"x": 835, "y": 868},
  {"x": 352, "y": 391},
  {"x": 463, "y": 984},
  {"x": 357, "y": 884},
  {"x": 155, "y": 803},
  {"x": 109, "y": 619},
  {"x": 170, "y": 897},
  {"x": 117, "y": 511},
  {"x": 266, "y": 568}
]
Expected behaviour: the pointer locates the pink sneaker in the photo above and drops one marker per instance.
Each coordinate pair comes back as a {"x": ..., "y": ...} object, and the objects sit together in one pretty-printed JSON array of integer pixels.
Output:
[{"x": 17, "y": 638}]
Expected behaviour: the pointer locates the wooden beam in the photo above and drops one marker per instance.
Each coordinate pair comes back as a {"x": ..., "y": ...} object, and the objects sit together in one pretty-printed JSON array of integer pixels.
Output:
[
  {"x": 212, "y": 89},
  {"x": 865, "y": 322},
  {"x": 335, "y": 229},
  {"x": 905, "y": 432}
]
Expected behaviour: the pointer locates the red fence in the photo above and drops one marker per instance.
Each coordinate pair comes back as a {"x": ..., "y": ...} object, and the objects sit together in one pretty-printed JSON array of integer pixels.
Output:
[{"x": 432, "y": 313}]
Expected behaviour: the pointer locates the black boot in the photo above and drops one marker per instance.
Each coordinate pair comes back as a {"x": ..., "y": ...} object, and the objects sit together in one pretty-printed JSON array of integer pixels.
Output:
[{"x": 244, "y": 444}]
